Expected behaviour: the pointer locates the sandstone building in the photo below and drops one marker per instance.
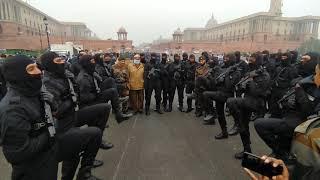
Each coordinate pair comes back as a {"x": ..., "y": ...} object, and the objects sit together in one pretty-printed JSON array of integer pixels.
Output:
[
  {"x": 259, "y": 31},
  {"x": 22, "y": 27}
]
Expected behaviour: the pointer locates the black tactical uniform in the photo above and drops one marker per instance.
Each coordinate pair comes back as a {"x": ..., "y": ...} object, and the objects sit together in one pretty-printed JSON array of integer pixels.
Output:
[
  {"x": 58, "y": 83},
  {"x": 25, "y": 138},
  {"x": 152, "y": 82},
  {"x": 3, "y": 88},
  {"x": 281, "y": 82},
  {"x": 190, "y": 74},
  {"x": 164, "y": 80},
  {"x": 225, "y": 88},
  {"x": 242, "y": 65},
  {"x": 176, "y": 75},
  {"x": 300, "y": 102},
  {"x": 104, "y": 69},
  {"x": 255, "y": 89},
  {"x": 91, "y": 93}
]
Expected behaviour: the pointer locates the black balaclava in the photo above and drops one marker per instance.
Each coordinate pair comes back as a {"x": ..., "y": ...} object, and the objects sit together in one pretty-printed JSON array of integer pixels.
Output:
[
  {"x": 185, "y": 57},
  {"x": 142, "y": 58},
  {"x": 237, "y": 56},
  {"x": 294, "y": 56},
  {"x": 257, "y": 64},
  {"x": 307, "y": 68},
  {"x": 206, "y": 55},
  {"x": 15, "y": 73},
  {"x": 286, "y": 62},
  {"x": 48, "y": 64},
  {"x": 85, "y": 62},
  {"x": 153, "y": 58},
  {"x": 98, "y": 59},
  {"x": 266, "y": 56},
  {"x": 192, "y": 56},
  {"x": 164, "y": 58},
  {"x": 105, "y": 55},
  {"x": 176, "y": 58},
  {"x": 231, "y": 61}
]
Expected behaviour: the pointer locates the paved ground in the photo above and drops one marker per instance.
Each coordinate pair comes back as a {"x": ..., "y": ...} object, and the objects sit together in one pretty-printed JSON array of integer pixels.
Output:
[{"x": 173, "y": 146}]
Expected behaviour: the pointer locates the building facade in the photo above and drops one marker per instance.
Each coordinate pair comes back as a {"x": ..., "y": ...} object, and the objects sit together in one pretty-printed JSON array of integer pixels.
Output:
[
  {"x": 256, "y": 32},
  {"x": 22, "y": 27}
]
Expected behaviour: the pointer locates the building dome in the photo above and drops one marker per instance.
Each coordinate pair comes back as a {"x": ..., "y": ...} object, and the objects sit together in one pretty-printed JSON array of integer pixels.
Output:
[
  {"x": 177, "y": 32},
  {"x": 122, "y": 30},
  {"x": 212, "y": 22}
]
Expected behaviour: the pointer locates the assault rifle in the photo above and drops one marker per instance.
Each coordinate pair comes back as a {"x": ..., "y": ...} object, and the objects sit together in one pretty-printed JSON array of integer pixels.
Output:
[
  {"x": 73, "y": 95},
  {"x": 292, "y": 91},
  {"x": 50, "y": 121},
  {"x": 228, "y": 70},
  {"x": 152, "y": 72},
  {"x": 246, "y": 79}
]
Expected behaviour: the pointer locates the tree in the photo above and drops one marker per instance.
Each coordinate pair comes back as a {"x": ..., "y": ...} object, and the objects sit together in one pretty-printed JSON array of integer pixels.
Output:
[{"x": 310, "y": 45}]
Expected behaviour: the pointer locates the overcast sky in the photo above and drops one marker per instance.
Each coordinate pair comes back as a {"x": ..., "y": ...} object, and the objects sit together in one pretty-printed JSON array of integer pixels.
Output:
[{"x": 146, "y": 20}]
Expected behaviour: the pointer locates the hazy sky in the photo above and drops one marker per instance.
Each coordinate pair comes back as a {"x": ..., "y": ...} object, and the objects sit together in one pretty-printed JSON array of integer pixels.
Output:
[{"x": 146, "y": 20}]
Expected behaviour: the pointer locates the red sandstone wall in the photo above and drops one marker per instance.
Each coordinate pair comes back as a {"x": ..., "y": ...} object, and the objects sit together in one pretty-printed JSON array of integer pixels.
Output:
[{"x": 11, "y": 39}]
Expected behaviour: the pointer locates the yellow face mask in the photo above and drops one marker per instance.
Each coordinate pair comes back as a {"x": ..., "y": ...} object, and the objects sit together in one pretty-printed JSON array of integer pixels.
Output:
[{"x": 317, "y": 76}]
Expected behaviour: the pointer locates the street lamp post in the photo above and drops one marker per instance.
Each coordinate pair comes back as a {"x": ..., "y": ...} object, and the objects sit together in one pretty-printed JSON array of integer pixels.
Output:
[
  {"x": 45, "y": 20},
  {"x": 40, "y": 37}
]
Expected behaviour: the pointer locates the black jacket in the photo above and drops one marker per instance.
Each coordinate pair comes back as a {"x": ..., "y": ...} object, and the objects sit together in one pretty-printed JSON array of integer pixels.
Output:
[
  {"x": 88, "y": 91},
  {"x": 104, "y": 71},
  {"x": 283, "y": 77},
  {"x": 259, "y": 87},
  {"x": 230, "y": 80},
  {"x": 3, "y": 88},
  {"x": 190, "y": 73},
  {"x": 59, "y": 88},
  {"x": 22, "y": 144},
  {"x": 177, "y": 72},
  {"x": 152, "y": 72}
]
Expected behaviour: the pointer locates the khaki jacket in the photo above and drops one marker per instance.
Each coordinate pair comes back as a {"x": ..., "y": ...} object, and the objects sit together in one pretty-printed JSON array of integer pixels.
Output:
[{"x": 136, "y": 74}]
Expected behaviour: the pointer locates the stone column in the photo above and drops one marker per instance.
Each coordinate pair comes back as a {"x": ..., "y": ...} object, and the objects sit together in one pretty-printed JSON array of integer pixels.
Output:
[{"x": 1, "y": 16}]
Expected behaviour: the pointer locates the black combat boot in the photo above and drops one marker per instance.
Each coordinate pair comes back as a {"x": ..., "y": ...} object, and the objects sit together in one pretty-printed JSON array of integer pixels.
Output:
[
  {"x": 158, "y": 109},
  {"x": 180, "y": 108},
  {"x": 147, "y": 110},
  {"x": 223, "y": 134},
  {"x": 245, "y": 138},
  {"x": 85, "y": 174},
  {"x": 169, "y": 108},
  {"x": 234, "y": 130},
  {"x": 120, "y": 117},
  {"x": 106, "y": 145},
  {"x": 189, "y": 102},
  {"x": 199, "y": 112}
]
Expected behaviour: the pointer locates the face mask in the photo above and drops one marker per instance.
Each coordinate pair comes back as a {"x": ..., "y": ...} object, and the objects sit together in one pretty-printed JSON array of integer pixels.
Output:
[{"x": 135, "y": 61}]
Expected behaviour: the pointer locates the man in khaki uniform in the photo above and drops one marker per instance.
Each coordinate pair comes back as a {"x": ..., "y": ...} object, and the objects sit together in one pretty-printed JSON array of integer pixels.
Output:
[
  {"x": 136, "y": 84},
  {"x": 121, "y": 76},
  {"x": 200, "y": 84}
]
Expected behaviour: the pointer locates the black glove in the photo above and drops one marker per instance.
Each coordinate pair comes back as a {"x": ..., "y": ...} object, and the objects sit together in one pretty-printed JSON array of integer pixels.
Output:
[
  {"x": 97, "y": 77},
  {"x": 48, "y": 98},
  {"x": 69, "y": 74}
]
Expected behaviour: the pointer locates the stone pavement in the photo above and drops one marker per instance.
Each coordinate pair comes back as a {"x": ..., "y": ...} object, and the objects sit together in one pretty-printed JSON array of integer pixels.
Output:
[{"x": 172, "y": 146}]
